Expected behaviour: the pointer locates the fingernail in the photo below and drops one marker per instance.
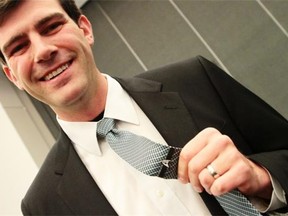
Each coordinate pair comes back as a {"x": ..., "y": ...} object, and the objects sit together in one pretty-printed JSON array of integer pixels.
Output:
[
  {"x": 182, "y": 180},
  {"x": 198, "y": 189}
]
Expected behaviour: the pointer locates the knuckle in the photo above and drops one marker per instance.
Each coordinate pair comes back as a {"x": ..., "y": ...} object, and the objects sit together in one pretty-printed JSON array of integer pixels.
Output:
[
  {"x": 193, "y": 168},
  {"x": 245, "y": 170},
  {"x": 223, "y": 141},
  {"x": 226, "y": 139},
  {"x": 219, "y": 189},
  {"x": 246, "y": 188},
  {"x": 184, "y": 156},
  {"x": 210, "y": 131},
  {"x": 234, "y": 157},
  {"x": 204, "y": 179}
]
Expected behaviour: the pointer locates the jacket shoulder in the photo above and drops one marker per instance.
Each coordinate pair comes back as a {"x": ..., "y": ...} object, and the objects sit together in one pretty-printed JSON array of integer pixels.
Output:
[{"x": 43, "y": 190}]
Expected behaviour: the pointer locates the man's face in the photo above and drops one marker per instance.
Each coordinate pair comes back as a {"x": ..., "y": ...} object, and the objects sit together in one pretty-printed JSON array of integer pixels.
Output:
[{"x": 48, "y": 55}]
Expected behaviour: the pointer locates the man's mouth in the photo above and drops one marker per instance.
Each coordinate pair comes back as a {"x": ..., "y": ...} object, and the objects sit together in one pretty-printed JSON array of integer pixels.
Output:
[{"x": 56, "y": 72}]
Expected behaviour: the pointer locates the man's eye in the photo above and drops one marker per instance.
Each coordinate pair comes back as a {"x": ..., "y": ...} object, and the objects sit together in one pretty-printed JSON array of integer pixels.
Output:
[
  {"x": 53, "y": 28},
  {"x": 18, "y": 49}
]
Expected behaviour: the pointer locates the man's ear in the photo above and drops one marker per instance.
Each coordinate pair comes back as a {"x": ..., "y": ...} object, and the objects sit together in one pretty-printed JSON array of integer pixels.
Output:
[
  {"x": 11, "y": 76},
  {"x": 86, "y": 26}
]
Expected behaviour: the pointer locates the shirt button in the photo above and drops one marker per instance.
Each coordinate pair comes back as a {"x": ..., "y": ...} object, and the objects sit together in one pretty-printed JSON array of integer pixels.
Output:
[{"x": 160, "y": 193}]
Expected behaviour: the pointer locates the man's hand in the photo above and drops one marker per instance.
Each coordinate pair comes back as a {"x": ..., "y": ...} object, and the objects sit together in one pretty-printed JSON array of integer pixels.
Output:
[{"x": 233, "y": 169}]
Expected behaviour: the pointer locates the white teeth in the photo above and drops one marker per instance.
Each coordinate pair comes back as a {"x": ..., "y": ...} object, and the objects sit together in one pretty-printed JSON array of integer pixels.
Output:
[{"x": 56, "y": 72}]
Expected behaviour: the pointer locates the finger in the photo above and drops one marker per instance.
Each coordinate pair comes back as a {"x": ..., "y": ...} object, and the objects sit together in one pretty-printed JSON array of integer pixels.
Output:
[
  {"x": 231, "y": 170},
  {"x": 199, "y": 163},
  {"x": 206, "y": 180},
  {"x": 227, "y": 156},
  {"x": 231, "y": 179},
  {"x": 192, "y": 148},
  {"x": 215, "y": 152}
]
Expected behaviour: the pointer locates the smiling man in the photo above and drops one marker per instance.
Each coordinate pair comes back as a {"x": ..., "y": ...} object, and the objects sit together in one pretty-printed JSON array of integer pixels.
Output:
[
  {"x": 48, "y": 73},
  {"x": 193, "y": 105}
]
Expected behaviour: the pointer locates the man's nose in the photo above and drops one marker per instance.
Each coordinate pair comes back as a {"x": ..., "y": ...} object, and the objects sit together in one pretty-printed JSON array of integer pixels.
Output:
[{"x": 43, "y": 50}]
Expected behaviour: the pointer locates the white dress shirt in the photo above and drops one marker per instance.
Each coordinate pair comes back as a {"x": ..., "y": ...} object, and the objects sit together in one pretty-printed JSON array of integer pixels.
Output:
[{"x": 129, "y": 191}]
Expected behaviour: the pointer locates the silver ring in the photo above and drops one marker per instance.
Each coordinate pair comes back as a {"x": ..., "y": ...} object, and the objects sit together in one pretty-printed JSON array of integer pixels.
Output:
[{"x": 212, "y": 171}]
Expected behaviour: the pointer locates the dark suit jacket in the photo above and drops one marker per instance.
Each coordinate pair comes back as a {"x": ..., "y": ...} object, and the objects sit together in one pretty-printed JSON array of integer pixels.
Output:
[{"x": 180, "y": 99}]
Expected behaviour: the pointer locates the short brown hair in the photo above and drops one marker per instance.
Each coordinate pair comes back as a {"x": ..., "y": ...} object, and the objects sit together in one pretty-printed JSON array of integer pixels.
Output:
[{"x": 6, "y": 6}]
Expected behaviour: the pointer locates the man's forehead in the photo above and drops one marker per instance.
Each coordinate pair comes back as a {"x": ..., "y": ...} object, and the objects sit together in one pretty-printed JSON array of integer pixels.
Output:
[
  {"x": 27, "y": 15},
  {"x": 31, "y": 9},
  {"x": 27, "y": 8}
]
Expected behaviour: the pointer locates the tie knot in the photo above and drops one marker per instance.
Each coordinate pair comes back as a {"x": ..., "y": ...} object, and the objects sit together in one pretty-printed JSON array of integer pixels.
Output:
[{"x": 104, "y": 126}]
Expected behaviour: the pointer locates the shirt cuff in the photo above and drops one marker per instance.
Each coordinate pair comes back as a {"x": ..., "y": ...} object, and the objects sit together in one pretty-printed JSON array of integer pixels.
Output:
[{"x": 278, "y": 199}]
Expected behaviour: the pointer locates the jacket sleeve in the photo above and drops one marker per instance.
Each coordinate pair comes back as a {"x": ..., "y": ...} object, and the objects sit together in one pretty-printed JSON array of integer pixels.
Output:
[
  {"x": 24, "y": 209},
  {"x": 263, "y": 128}
]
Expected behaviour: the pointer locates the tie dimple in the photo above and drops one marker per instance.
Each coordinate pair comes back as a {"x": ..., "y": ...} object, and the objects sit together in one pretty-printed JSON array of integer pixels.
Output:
[{"x": 104, "y": 127}]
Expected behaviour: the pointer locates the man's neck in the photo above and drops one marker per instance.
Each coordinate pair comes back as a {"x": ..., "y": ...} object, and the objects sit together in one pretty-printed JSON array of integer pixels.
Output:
[{"x": 88, "y": 108}]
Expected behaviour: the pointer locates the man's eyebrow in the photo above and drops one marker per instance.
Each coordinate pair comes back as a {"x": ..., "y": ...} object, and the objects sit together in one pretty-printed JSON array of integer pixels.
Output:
[
  {"x": 46, "y": 19},
  {"x": 12, "y": 40},
  {"x": 40, "y": 23}
]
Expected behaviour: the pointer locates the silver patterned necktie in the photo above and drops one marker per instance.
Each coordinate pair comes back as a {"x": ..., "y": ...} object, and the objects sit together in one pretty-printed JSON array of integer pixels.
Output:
[{"x": 155, "y": 159}]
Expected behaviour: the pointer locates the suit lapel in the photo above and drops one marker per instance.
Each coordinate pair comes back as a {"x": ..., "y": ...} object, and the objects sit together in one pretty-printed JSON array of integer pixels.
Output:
[
  {"x": 165, "y": 110},
  {"x": 76, "y": 187}
]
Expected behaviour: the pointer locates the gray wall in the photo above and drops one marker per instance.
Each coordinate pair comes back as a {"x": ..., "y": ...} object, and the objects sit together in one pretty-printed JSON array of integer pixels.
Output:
[{"x": 246, "y": 38}]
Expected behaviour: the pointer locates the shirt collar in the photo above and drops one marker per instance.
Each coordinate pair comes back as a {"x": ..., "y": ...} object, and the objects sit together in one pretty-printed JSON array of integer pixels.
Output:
[{"x": 118, "y": 106}]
